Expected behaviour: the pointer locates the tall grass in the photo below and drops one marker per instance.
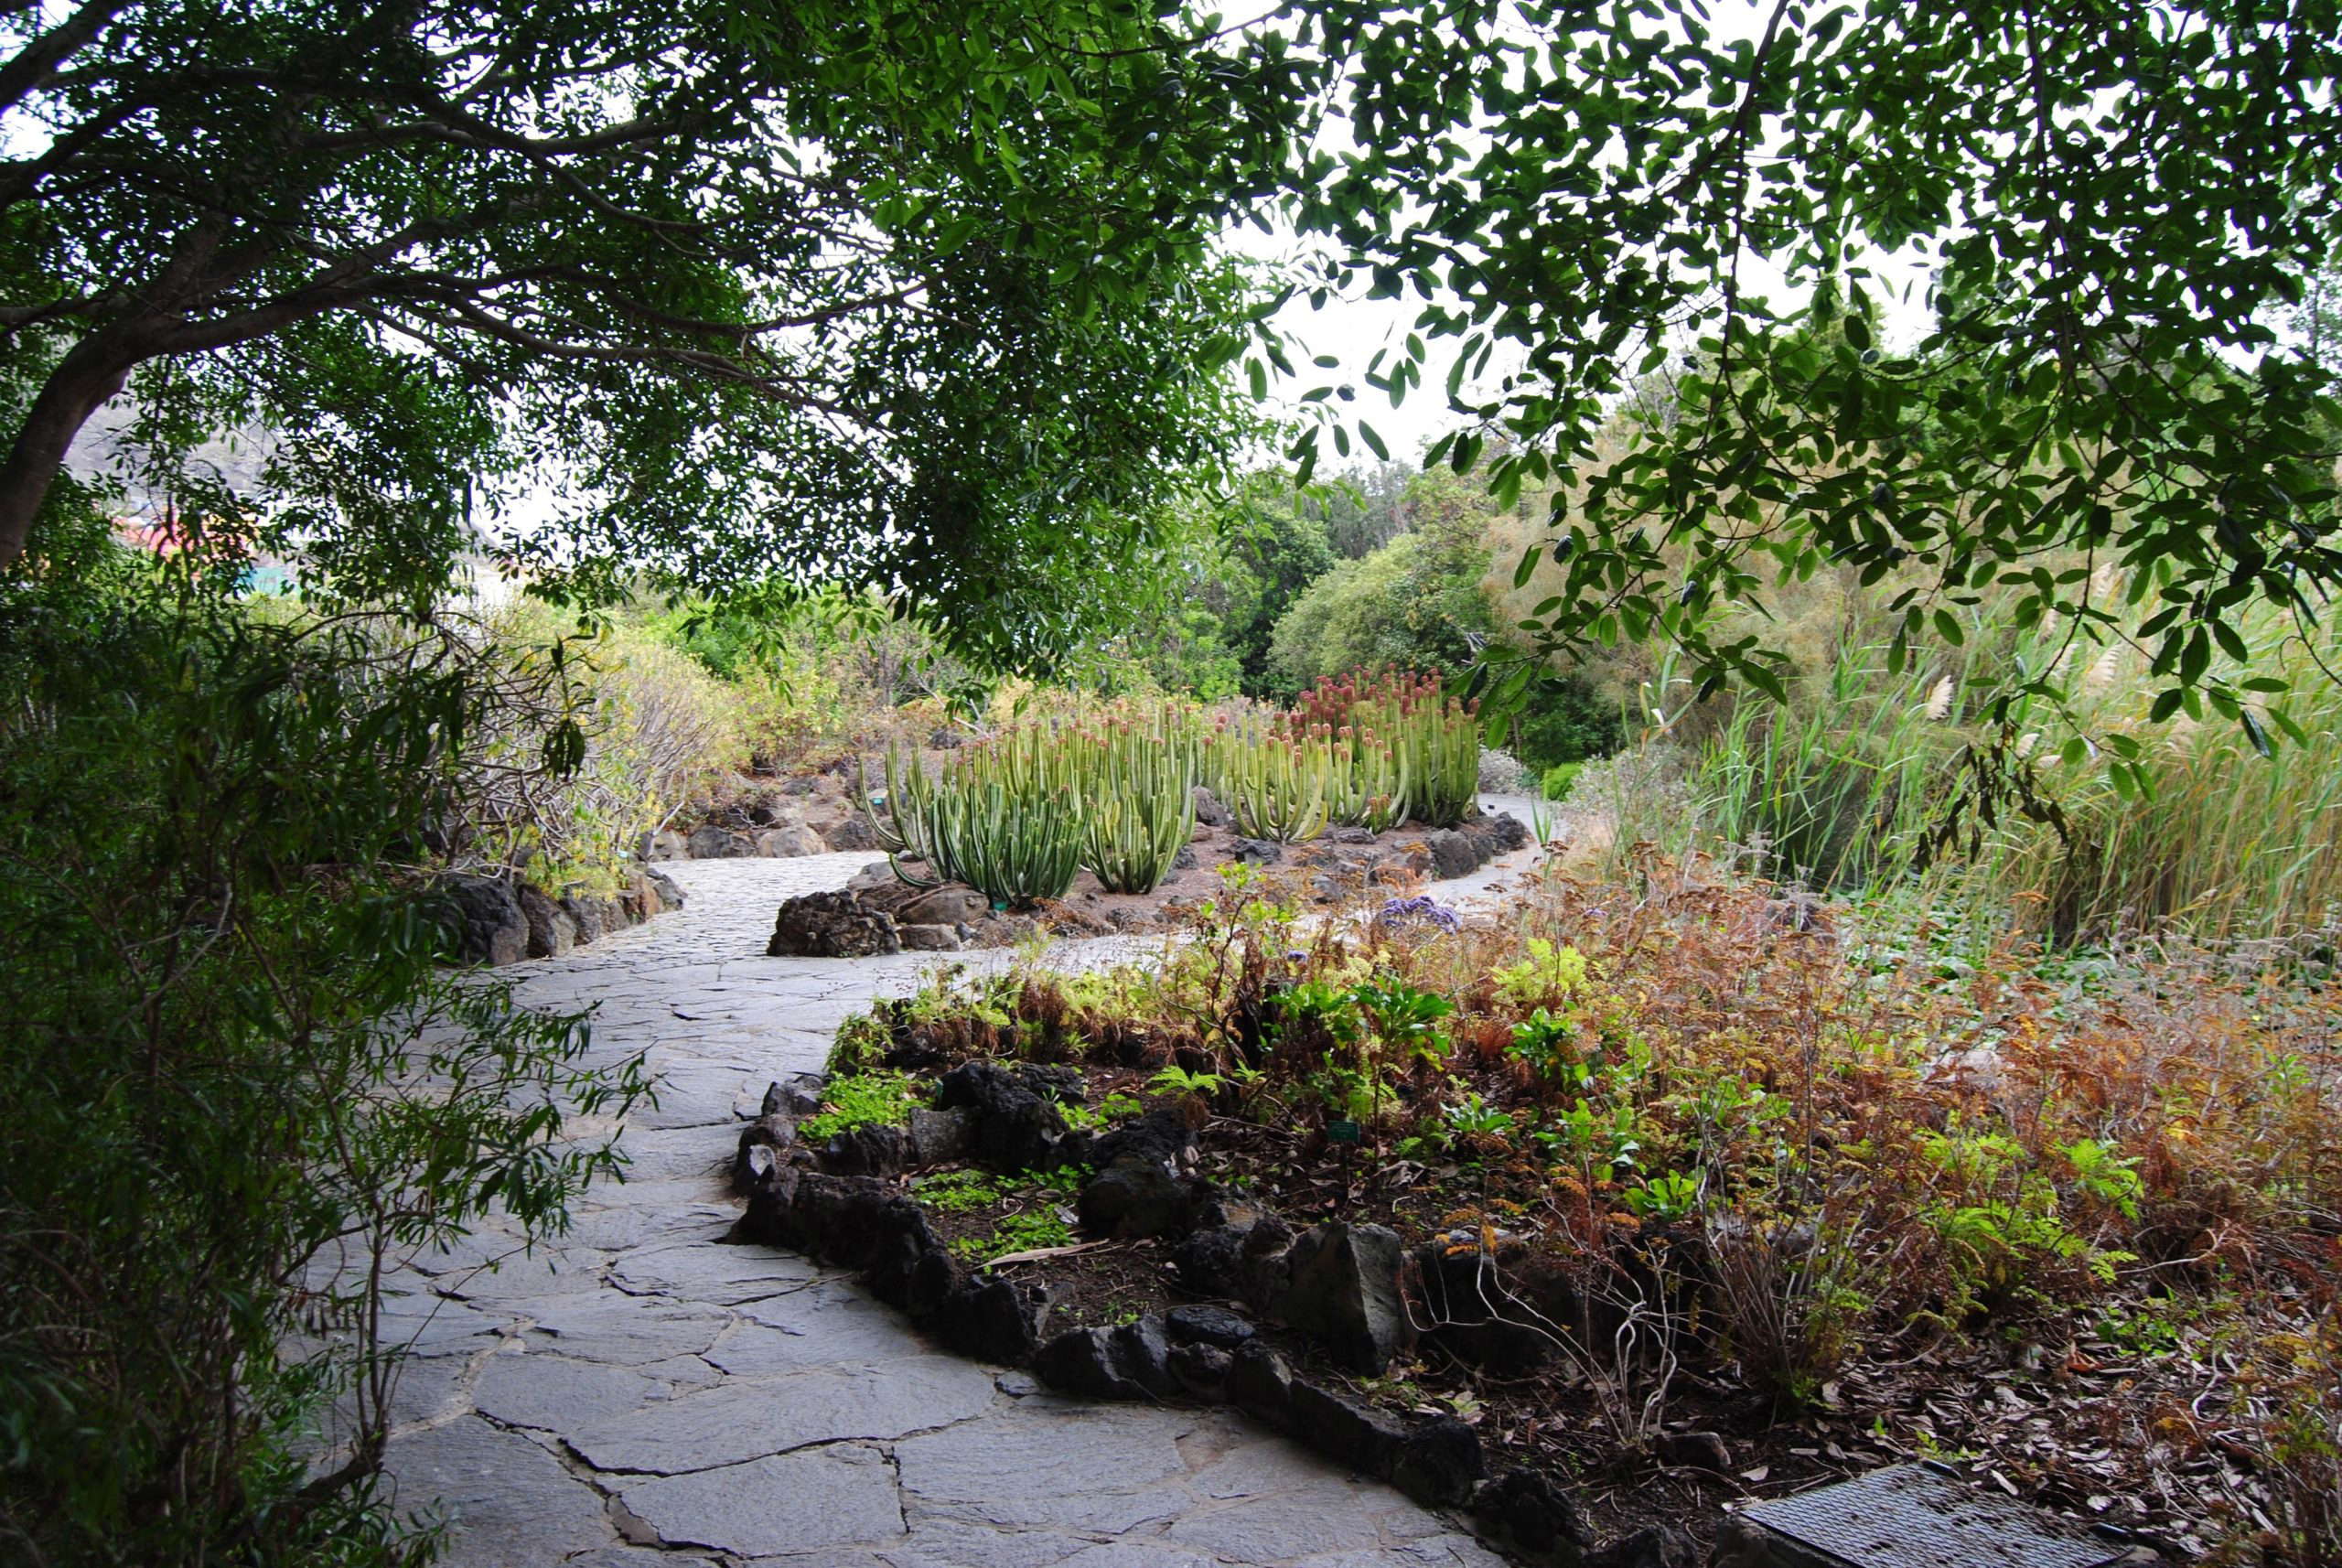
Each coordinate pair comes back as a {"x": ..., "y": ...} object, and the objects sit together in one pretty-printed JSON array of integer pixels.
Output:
[{"x": 1838, "y": 789}]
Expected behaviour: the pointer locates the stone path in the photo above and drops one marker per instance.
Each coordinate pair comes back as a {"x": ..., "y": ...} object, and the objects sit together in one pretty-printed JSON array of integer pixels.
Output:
[{"x": 642, "y": 1396}]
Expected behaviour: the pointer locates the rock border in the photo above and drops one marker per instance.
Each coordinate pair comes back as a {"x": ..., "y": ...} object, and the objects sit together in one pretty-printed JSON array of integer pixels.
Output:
[
  {"x": 497, "y": 920},
  {"x": 877, "y": 914},
  {"x": 1342, "y": 1286}
]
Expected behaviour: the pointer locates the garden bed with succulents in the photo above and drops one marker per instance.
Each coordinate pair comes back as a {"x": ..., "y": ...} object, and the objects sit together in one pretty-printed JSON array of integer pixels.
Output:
[
  {"x": 1643, "y": 1201},
  {"x": 1118, "y": 817}
]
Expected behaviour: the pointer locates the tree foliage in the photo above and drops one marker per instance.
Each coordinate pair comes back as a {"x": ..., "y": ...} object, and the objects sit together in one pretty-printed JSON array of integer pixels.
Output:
[
  {"x": 2114, "y": 201},
  {"x": 872, "y": 289},
  {"x": 1418, "y": 602}
]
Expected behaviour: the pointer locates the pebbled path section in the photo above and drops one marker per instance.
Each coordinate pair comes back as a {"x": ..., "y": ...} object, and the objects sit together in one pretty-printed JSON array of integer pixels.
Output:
[{"x": 639, "y": 1395}]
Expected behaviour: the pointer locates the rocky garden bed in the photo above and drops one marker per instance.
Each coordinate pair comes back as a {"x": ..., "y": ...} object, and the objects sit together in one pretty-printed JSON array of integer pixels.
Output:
[
  {"x": 882, "y": 912},
  {"x": 497, "y": 920},
  {"x": 813, "y": 812},
  {"x": 1596, "y": 1223}
]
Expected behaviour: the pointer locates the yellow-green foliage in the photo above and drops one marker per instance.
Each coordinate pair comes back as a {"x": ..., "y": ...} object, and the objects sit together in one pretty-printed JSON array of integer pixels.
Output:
[
  {"x": 657, "y": 728},
  {"x": 1839, "y": 787}
]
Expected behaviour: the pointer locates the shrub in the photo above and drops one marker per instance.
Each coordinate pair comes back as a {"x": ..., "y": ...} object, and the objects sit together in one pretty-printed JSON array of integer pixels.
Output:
[
  {"x": 222, "y": 1000},
  {"x": 1569, "y": 720}
]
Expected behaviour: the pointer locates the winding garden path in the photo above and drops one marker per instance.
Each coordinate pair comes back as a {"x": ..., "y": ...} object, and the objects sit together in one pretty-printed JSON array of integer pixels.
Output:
[{"x": 642, "y": 1396}]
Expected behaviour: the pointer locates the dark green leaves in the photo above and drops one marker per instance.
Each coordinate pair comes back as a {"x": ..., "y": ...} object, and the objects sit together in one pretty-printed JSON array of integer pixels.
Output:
[{"x": 2113, "y": 209}]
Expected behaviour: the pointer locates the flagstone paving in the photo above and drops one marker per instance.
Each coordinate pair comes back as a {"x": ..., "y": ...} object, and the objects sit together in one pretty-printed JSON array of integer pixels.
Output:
[{"x": 642, "y": 1395}]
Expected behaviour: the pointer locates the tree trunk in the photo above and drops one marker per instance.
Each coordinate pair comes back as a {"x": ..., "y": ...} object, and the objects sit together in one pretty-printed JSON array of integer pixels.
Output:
[{"x": 93, "y": 372}]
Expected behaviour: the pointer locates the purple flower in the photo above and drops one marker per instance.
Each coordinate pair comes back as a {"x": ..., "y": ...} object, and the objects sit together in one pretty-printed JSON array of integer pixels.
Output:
[{"x": 1421, "y": 910}]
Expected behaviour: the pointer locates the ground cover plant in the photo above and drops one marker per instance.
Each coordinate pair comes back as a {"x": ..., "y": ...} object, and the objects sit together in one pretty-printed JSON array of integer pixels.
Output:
[{"x": 1709, "y": 1192}]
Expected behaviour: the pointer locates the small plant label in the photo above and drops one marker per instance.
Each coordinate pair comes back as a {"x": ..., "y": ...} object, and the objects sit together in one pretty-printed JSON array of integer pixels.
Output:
[{"x": 1341, "y": 1132}]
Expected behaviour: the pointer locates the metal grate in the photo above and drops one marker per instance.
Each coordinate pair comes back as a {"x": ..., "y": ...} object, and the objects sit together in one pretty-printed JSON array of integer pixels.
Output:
[{"x": 1912, "y": 1517}]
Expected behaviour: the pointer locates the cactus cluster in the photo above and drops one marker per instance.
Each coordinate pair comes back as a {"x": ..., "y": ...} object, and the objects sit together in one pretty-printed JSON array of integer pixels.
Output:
[
  {"x": 1406, "y": 739},
  {"x": 1112, "y": 788},
  {"x": 1369, "y": 751},
  {"x": 1018, "y": 816}
]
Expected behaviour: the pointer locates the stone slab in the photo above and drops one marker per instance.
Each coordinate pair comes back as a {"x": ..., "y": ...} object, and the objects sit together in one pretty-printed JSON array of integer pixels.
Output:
[
  {"x": 741, "y": 1420},
  {"x": 806, "y": 1502}
]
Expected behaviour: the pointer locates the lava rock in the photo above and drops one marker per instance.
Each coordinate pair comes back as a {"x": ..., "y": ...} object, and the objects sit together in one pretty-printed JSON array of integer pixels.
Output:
[
  {"x": 854, "y": 835},
  {"x": 1185, "y": 859},
  {"x": 951, "y": 905},
  {"x": 1132, "y": 1199},
  {"x": 1697, "y": 1450},
  {"x": 1452, "y": 855},
  {"x": 769, "y": 1133},
  {"x": 790, "y": 841},
  {"x": 833, "y": 924},
  {"x": 865, "y": 1151},
  {"x": 1437, "y": 1462},
  {"x": 1162, "y": 1136},
  {"x": 940, "y": 1135},
  {"x": 1261, "y": 1384},
  {"x": 1526, "y": 1510},
  {"x": 1348, "y": 835},
  {"x": 712, "y": 842},
  {"x": 1060, "y": 1081},
  {"x": 936, "y": 1284},
  {"x": 665, "y": 845},
  {"x": 829, "y": 1219},
  {"x": 1496, "y": 834},
  {"x": 1653, "y": 1546},
  {"x": 905, "y": 1237},
  {"x": 1209, "y": 813},
  {"x": 551, "y": 930},
  {"x": 996, "y": 1321},
  {"x": 1210, "y": 1263},
  {"x": 483, "y": 918},
  {"x": 1017, "y": 1129},
  {"x": 1266, "y": 1262},
  {"x": 594, "y": 917},
  {"x": 1202, "y": 1371},
  {"x": 1342, "y": 1284},
  {"x": 1483, "y": 1310},
  {"x": 1082, "y": 1361},
  {"x": 670, "y": 892},
  {"x": 1142, "y": 1354},
  {"x": 1351, "y": 1431},
  {"x": 799, "y": 1095},
  {"x": 1258, "y": 852},
  {"x": 1208, "y": 1326},
  {"x": 930, "y": 939}
]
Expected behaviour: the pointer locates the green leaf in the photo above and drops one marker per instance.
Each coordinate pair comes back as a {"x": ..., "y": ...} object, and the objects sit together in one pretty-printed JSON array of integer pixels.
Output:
[{"x": 2253, "y": 732}]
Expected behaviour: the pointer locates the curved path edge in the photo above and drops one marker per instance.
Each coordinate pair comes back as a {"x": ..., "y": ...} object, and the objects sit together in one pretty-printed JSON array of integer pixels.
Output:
[{"x": 641, "y": 1395}]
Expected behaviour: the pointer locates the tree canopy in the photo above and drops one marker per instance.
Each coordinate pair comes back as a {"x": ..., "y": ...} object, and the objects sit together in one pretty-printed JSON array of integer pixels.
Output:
[
  {"x": 871, "y": 289},
  {"x": 928, "y": 296},
  {"x": 2116, "y": 203}
]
